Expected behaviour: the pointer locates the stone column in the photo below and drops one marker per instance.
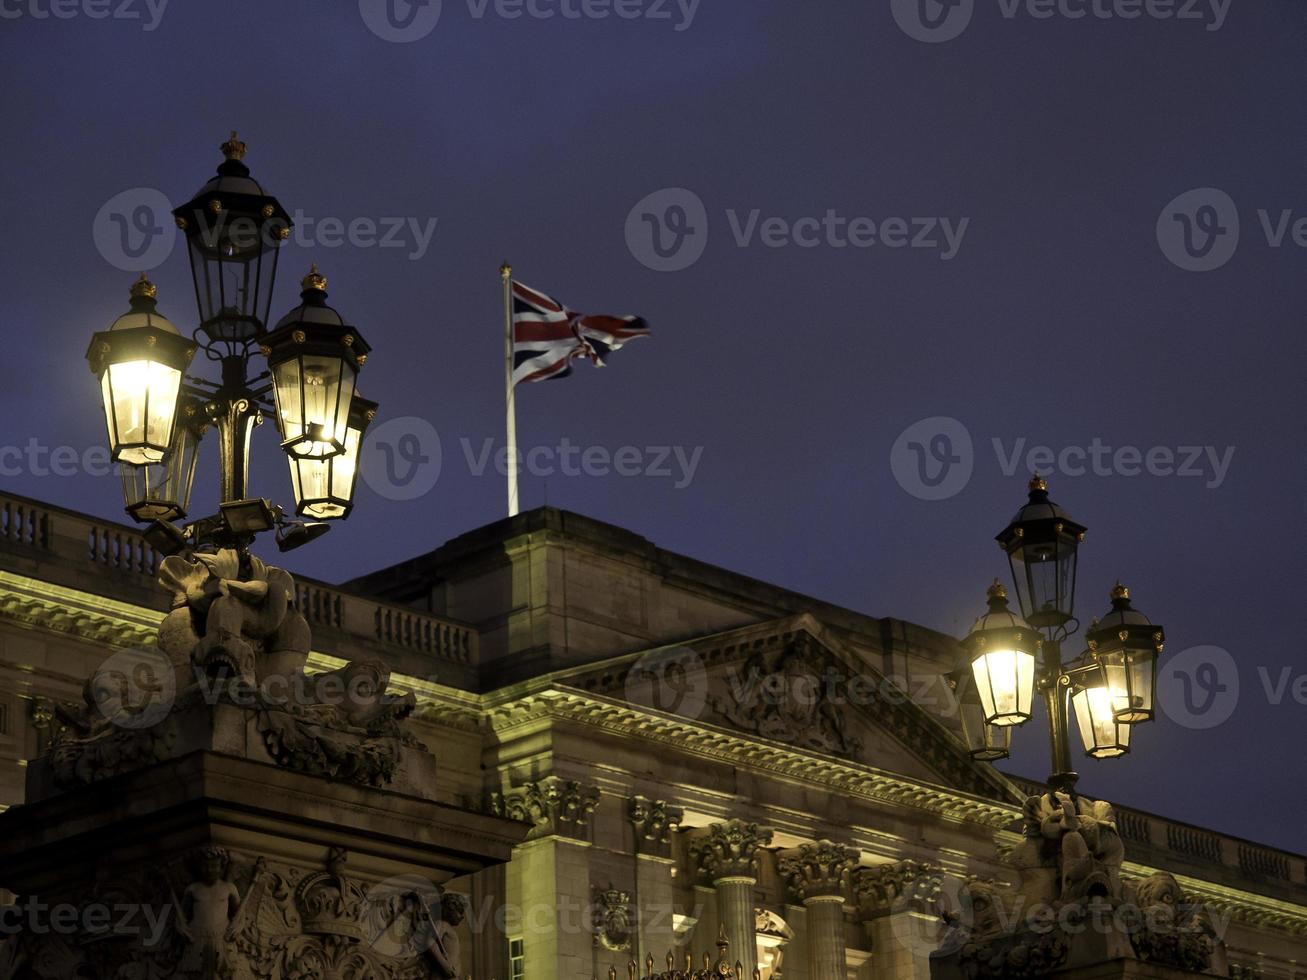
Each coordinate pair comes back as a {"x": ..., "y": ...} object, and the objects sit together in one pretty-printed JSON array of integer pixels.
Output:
[
  {"x": 653, "y": 822},
  {"x": 816, "y": 874},
  {"x": 900, "y": 907},
  {"x": 728, "y": 855},
  {"x": 549, "y": 877}
]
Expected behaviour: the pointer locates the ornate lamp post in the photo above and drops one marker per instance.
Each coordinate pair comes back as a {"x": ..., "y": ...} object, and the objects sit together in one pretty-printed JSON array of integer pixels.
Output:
[
  {"x": 156, "y": 412},
  {"x": 1108, "y": 687}
]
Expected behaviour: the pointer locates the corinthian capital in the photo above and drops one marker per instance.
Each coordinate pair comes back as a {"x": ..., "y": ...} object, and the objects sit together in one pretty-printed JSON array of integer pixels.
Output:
[
  {"x": 552, "y": 806},
  {"x": 653, "y": 821},
  {"x": 818, "y": 870},
  {"x": 730, "y": 850},
  {"x": 899, "y": 886}
]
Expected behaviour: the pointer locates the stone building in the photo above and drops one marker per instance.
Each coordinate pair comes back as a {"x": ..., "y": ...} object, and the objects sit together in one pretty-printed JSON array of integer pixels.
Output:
[{"x": 692, "y": 750}]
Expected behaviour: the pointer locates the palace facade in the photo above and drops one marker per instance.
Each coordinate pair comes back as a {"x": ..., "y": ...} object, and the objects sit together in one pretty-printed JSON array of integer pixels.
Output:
[{"x": 692, "y": 751}]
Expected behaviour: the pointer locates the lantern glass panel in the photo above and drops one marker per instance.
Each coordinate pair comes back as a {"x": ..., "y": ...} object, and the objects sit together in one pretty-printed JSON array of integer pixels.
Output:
[
  {"x": 313, "y": 398},
  {"x": 140, "y": 405},
  {"x": 1103, "y": 736},
  {"x": 324, "y": 488},
  {"x": 162, "y": 491},
  {"x": 1044, "y": 572},
  {"x": 1130, "y": 678},
  {"x": 988, "y": 743},
  {"x": 1005, "y": 681}
]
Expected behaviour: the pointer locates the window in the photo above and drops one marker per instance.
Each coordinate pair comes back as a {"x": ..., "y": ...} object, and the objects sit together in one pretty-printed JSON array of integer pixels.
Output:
[
  {"x": 4, "y": 718},
  {"x": 516, "y": 960}
]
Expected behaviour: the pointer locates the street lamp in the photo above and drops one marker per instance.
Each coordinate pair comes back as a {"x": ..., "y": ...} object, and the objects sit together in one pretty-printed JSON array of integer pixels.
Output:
[
  {"x": 1109, "y": 687},
  {"x": 155, "y": 412}
]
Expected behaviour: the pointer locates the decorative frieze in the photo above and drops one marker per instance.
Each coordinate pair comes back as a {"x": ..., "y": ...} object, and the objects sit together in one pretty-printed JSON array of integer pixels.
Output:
[
  {"x": 654, "y": 821},
  {"x": 730, "y": 850},
  {"x": 817, "y": 870},
  {"x": 553, "y": 806}
]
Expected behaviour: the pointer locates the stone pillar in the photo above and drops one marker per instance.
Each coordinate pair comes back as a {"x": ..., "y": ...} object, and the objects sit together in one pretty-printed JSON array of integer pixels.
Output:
[
  {"x": 728, "y": 855},
  {"x": 816, "y": 874},
  {"x": 549, "y": 879},
  {"x": 653, "y": 822},
  {"x": 900, "y": 907}
]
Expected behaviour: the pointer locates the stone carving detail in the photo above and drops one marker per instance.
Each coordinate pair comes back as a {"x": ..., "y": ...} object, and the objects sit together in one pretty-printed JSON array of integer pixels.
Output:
[
  {"x": 1071, "y": 849},
  {"x": 984, "y": 948},
  {"x": 902, "y": 886},
  {"x": 1172, "y": 931},
  {"x": 786, "y": 696},
  {"x": 653, "y": 821},
  {"x": 730, "y": 850},
  {"x": 613, "y": 925},
  {"x": 230, "y": 918},
  {"x": 818, "y": 870},
  {"x": 553, "y": 806},
  {"x": 232, "y": 616},
  {"x": 232, "y": 638},
  {"x": 1071, "y": 902}
]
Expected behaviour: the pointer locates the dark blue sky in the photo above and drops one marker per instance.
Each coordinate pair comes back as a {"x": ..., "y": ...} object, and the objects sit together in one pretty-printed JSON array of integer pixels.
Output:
[{"x": 1059, "y": 321}]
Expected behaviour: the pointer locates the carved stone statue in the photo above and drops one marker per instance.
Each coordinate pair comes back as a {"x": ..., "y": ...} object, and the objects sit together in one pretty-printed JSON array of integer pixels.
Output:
[
  {"x": 1071, "y": 849},
  {"x": 232, "y": 615}
]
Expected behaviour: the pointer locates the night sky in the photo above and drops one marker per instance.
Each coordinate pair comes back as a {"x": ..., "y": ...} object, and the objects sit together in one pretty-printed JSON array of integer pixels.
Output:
[{"x": 788, "y": 359}]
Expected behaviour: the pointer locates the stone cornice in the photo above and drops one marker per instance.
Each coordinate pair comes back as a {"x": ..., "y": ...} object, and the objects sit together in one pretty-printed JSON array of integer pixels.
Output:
[
  {"x": 561, "y": 705},
  {"x": 93, "y": 618}
]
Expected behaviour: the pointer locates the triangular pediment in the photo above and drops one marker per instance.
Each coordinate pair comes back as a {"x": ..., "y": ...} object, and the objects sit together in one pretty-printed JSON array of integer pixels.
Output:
[{"x": 791, "y": 681}]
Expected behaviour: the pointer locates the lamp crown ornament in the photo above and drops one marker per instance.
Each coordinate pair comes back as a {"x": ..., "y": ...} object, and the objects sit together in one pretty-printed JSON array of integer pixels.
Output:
[
  {"x": 234, "y": 148},
  {"x": 142, "y": 288},
  {"x": 1120, "y": 593},
  {"x": 997, "y": 591},
  {"x": 314, "y": 282},
  {"x": 1038, "y": 484}
]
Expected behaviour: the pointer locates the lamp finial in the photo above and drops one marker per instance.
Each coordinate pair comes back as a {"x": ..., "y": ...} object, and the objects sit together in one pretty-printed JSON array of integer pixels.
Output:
[
  {"x": 315, "y": 281},
  {"x": 1120, "y": 591},
  {"x": 233, "y": 149},
  {"x": 143, "y": 288},
  {"x": 1038, "y": 483}
]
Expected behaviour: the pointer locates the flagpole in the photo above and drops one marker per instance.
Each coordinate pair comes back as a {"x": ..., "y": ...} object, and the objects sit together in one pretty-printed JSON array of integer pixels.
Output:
[{"x": 506, "y": 275}]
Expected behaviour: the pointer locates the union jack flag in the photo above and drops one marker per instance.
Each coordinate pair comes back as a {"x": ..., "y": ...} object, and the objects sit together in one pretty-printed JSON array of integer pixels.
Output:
[{"x": 547, "y": 336}]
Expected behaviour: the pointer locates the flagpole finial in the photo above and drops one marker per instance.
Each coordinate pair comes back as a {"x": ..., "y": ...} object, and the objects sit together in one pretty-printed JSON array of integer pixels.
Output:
[{"x": 506, "y": 271}]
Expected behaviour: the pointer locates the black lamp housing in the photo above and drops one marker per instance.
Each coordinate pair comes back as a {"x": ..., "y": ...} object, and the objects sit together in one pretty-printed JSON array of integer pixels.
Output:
[
  {"x": 1042, "y": 542},
  {"x": 234, "y": 231},
  {"x": 1127, "y": 645}
]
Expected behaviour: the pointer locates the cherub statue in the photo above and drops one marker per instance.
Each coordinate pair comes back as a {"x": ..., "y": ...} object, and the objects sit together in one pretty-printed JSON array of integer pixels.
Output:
[{"x": 206, "y": 913}]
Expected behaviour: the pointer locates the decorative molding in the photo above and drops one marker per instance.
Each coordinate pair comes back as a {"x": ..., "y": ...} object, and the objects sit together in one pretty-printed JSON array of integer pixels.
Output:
[
  {"x": 785, "y": 697},
  {"x": 817, "y": 870},
  {"x": 654, "y": 821},
  {"x": 730, "y": 850},
  {"x": 613, "y": 918},
  {"x": 554, "y": 807}
]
